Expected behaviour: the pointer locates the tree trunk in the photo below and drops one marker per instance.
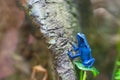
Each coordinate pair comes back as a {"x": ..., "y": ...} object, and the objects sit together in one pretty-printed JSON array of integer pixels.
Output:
[{"x": 58, "y": 21}]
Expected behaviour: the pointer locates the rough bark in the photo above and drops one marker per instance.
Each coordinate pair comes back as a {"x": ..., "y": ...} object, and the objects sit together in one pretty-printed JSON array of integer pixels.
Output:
[{"x": 58, "y": 22}]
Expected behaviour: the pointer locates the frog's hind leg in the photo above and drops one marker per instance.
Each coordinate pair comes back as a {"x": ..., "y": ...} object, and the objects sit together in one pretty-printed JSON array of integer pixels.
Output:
[{"x": 89, "y": 63}]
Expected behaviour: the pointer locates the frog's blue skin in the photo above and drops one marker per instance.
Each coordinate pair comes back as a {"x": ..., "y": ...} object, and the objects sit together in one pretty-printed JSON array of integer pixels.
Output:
[{"x": 83, "y": 51}]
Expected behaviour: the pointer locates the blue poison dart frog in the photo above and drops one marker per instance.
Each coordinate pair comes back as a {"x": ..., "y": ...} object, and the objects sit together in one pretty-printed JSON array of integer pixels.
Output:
[{"x": 83, "y": 51}]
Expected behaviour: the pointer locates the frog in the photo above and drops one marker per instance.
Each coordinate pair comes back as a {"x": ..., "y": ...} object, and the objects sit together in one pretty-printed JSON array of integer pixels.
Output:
[{"x": 82, "y": 50}]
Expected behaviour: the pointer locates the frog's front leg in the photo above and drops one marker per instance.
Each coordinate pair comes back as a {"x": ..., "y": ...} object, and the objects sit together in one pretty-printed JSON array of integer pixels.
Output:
[
  {"x": 73, "y": 56},
  {"x": 89, "y": 62},
  {"x": 75, "y": 48}
]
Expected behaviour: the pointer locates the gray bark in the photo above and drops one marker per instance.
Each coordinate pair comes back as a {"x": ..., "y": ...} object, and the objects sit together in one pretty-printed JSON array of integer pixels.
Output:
[{"x": 58, "y": 22}]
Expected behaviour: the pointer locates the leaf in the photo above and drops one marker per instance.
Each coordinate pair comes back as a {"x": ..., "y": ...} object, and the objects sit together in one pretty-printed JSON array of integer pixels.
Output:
[{"x": 82, "y": 67}]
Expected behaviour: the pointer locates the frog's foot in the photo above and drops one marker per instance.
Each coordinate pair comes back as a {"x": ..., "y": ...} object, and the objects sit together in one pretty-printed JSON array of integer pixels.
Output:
[
  {"x": 73, "y": 56},
  {"x": 75, "y": 48},
  {"x": 70, "y": 54},
  {"x": 89, "y": 63}
]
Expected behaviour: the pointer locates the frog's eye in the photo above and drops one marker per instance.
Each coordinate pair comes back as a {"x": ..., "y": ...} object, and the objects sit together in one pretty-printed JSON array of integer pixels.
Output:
[
  {"x": 85, "y": 46},
  {"x": 81, "y": 40}
]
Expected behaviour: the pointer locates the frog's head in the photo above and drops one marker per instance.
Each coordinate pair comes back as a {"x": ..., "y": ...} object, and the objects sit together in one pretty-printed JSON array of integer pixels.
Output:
[{"x": 82, "y": 40}]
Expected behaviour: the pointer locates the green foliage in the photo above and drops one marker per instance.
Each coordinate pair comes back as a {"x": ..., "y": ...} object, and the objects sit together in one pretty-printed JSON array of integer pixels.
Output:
[
  {"x": 117, "y": 75},
  {"x": 116, "y": 72}
]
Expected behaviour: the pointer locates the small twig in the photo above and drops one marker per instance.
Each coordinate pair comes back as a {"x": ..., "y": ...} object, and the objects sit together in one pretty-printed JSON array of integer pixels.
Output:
[{"x": 37, "y": 69}]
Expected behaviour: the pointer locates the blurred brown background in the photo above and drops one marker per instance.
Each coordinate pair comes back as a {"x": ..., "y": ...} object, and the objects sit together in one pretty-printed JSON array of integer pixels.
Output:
[{"x": 22, "y": 46}]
